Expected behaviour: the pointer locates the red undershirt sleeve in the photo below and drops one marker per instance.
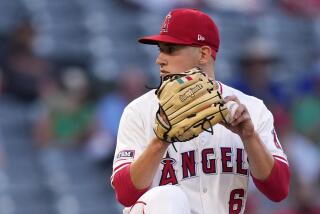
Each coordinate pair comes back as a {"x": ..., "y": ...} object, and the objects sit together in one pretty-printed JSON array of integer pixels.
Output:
[
  {"x": 126, "y": 193},
  {"x": 276, "y": 186}
]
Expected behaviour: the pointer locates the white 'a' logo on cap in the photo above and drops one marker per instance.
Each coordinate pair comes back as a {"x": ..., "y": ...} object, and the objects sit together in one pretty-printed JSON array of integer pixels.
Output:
[{"x": 165, "y": 24}]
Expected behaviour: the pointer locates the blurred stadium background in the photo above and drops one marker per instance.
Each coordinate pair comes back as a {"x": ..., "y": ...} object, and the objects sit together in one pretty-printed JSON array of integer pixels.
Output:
[{"x": 68, "y": 68}]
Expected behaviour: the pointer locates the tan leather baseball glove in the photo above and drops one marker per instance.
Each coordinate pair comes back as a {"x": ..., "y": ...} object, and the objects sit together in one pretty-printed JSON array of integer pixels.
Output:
[{"x": 188, "y": 105}]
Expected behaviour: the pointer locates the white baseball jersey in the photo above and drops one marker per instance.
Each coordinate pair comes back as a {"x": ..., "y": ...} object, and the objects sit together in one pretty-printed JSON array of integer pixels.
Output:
[{"x": 212, "y": 170}]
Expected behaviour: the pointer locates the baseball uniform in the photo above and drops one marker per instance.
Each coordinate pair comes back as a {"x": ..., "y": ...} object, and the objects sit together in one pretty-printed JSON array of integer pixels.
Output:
[{"x": 212, "y": 170}]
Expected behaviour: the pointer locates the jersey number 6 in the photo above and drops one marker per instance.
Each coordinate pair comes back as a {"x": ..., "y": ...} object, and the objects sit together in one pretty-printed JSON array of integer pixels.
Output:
[{"x": 235, "y": 201}]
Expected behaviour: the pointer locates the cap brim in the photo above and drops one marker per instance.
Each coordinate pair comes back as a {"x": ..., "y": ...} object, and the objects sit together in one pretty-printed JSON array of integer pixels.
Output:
[{"x": 155, "y": 39}]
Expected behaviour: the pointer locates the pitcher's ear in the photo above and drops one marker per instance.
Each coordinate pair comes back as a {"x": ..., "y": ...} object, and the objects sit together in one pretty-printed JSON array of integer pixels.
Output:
[{"x": 205, "y": 54}]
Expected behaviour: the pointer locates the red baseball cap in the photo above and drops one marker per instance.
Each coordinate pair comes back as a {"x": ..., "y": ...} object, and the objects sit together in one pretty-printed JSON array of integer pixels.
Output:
[{"x": 187, "y": 27}]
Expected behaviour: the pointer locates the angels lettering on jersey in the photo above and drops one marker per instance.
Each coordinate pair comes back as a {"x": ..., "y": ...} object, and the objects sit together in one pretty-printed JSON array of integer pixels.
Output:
[
  {"x": 230, "y": 162},
  {"x": 185, "y": 165}
]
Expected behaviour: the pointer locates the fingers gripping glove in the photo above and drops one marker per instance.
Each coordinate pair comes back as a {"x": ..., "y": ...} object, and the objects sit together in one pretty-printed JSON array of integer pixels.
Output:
[{"x": 188, "y": 105}]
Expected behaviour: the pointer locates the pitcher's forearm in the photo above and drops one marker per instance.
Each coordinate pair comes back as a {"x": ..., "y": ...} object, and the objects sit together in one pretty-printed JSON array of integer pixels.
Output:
[
  {"x": 260, "y": 159},
  {"x": 144, "y": 168}
]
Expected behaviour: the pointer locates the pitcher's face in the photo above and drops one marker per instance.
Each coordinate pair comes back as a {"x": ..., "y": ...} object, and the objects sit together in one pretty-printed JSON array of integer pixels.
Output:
[{"x": 174, "y": 59}]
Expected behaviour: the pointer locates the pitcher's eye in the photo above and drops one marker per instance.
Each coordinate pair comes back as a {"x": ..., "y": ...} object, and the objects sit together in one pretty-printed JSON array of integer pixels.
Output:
[
  {"x": 171, "y": 49},
  {"x": 168, "y": 49}
]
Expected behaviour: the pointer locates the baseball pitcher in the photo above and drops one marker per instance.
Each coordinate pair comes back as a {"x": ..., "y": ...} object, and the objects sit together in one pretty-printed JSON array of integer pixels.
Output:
[{"x": 190, "y": 145}]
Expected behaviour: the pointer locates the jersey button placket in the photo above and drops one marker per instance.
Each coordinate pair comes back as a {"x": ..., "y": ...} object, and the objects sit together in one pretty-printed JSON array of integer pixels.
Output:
[
  {"x": 202, "y": 145},
  {"x": 204, "y": 189}
]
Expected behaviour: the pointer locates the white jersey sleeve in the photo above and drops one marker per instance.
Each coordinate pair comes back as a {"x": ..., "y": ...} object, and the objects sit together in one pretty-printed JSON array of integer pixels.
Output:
[
  {"x": 129, "y": 140},
  {"x": 268, "y": 135},
  {"x": 135, "y": 130}
]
